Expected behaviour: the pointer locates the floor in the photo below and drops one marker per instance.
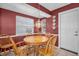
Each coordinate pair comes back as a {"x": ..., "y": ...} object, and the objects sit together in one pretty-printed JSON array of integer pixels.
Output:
[
  {"x": 62, "y": 52},
  {"x": 59, "y": 52}
]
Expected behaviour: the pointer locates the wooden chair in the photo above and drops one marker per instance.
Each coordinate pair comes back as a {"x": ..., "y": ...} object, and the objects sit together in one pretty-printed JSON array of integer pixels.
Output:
[
  {"x": 49, "y": 49},
  {"x": 5, "y": 44},
  {"x": 18, "y": 51}
]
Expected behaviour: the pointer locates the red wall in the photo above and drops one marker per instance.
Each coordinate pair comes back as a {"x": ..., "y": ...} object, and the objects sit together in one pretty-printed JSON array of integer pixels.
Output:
[
  {"x": 49, "y": 25},
  {"x": 0, "y": 21},
  {"x": 8, "y": 21}
]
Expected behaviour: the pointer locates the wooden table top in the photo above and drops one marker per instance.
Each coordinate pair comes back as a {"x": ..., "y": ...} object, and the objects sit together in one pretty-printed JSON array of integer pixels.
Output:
[{"x": 36, "y": 40}]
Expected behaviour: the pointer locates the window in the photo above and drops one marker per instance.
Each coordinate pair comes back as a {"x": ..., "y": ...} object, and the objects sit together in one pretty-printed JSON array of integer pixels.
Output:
[
  {"x": 43, "y": 26},
  {"x": 24, "y": 25}
]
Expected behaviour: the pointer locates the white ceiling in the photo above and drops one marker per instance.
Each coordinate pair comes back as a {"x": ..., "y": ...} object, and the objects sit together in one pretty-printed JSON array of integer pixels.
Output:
[
  {"x": 24, "y": 9},
  {"x": 53, "y": 6},
  {"x": 29, "y": 10}
]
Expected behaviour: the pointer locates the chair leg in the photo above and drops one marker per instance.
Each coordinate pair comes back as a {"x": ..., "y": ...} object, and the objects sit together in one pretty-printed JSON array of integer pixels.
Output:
[
  {"x": 4, "y": 52},
  {"x": 0, "y": 51}
]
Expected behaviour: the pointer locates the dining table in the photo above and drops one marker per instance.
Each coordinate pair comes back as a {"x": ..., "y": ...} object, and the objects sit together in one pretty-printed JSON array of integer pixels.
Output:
[{"x": 36, "y": 41}]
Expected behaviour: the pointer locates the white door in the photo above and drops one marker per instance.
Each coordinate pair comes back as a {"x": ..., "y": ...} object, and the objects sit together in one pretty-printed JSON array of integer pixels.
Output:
[{"x": 68, "y": 29}]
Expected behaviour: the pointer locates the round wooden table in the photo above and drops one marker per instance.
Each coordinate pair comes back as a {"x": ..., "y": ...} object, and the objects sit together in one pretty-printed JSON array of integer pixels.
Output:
[{"x": 36, "y": 41}]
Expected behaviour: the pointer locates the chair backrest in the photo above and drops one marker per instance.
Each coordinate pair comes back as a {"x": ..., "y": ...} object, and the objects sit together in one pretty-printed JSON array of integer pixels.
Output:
[
  {"x": 14, "y": 46},
  {"x": 49, "y": 35},
  {"x": 54, "y": 41},
  {"x": 5, "y": 40},
  {"x": 51, "y": 42}
]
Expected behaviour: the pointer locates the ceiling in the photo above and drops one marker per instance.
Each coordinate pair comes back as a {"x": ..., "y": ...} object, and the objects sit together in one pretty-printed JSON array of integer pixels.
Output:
[
  {"x": 30, "y": 10},
  {"x": 24, "y": 9},
  {"x": 53, "y": 6}
]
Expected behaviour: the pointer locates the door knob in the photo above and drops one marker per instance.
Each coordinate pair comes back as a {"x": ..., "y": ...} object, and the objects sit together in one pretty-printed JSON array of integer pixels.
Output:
[{"x": 76, "y": 34}]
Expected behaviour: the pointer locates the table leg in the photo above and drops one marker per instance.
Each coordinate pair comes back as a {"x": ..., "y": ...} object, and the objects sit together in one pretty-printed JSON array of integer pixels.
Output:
[{"x": 36, "y": 50}]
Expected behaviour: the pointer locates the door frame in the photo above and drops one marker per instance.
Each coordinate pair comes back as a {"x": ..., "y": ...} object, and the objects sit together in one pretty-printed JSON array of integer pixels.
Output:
[{"x": 59, "y": 25}]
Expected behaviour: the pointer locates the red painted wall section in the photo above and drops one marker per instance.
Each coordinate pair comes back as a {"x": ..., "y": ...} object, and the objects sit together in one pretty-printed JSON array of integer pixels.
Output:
[
  {"x": 48, "y": 25},
  {"x": 0, "y": 20},
  {"x": 8, "y": 21}
]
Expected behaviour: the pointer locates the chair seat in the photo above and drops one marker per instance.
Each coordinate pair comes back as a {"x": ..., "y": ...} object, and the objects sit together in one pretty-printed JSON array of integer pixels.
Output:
[{"x": 6, "y": 46}]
